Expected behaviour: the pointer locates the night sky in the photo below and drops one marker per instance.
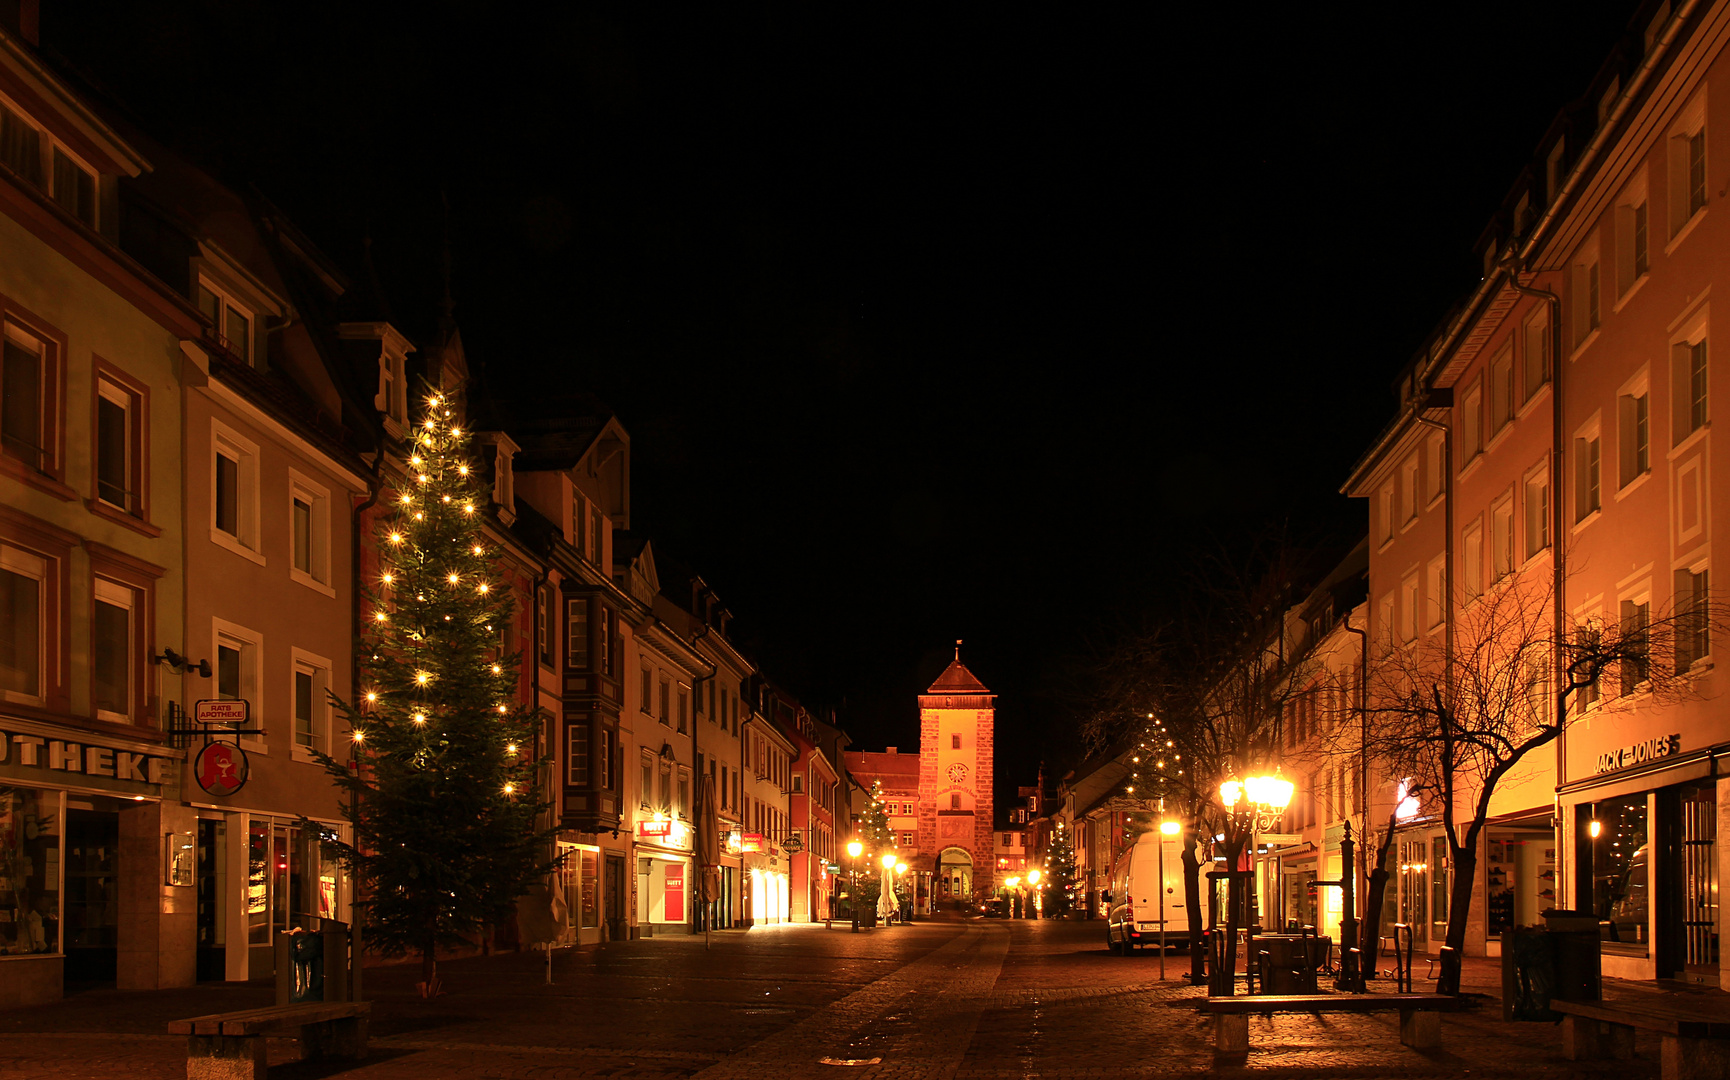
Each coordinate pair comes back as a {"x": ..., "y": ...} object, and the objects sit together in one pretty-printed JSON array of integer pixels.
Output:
[{"x": 926, "y": 323}]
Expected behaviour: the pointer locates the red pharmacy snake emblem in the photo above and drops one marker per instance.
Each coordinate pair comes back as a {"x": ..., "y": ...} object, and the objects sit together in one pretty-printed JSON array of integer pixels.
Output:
[{"x": 221, "y": 768}]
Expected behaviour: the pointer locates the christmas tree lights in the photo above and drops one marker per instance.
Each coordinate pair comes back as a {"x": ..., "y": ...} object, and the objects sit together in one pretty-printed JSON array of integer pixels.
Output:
[{"x": 443, "y": 802}]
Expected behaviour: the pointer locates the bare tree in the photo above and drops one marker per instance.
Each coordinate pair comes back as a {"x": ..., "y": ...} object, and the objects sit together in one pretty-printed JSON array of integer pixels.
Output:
[
  {"x": 1454, "y": 717},
  {"x": 1203, "y": 699}
]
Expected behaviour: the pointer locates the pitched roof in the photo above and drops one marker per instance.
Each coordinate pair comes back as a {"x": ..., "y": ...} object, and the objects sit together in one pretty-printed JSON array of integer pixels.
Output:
[{"x": 956, "y": 679}]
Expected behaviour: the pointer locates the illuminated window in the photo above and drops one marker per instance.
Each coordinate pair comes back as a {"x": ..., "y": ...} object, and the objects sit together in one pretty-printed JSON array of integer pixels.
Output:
[{"x": 1686, "y": 153}]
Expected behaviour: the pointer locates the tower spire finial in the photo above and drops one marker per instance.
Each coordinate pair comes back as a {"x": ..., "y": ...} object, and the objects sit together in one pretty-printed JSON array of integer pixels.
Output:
[{"x": 958, "y": 650}]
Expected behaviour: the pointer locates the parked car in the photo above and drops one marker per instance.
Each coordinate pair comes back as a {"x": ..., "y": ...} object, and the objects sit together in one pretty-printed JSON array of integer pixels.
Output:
[
  {"x": 1135, "y": 896},
  {"x": 993, "y": 908}
]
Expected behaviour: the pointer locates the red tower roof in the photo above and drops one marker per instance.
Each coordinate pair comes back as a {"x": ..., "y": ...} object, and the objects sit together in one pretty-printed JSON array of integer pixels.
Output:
[{"x": 956, "y": 679}]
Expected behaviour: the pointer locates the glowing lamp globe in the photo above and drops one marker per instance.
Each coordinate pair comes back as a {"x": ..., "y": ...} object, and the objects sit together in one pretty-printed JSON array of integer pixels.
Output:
[
  {"x": 854, "y": 847},
  {"x": 1170, "y": 828},
  {"x": 1230, "y": 792},
  {"x": 1033, "y": 877},
  {"x": 889, "y": 860}
]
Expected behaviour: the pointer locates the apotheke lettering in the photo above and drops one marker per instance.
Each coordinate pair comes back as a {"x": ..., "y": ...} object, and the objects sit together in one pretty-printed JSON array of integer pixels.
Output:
[
  {"x": 1660, "y": 746},
  {"x": 36, "y": 752}
]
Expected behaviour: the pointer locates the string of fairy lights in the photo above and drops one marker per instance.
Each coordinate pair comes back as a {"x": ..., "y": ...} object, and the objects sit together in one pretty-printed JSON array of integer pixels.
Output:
[
  {"x": 441, "y": 478},
  {"x": 1154, "y": 762}
]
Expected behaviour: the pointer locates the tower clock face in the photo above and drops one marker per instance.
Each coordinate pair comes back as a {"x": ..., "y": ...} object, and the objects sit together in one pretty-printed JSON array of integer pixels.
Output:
[{"x": 957, "y": 773}]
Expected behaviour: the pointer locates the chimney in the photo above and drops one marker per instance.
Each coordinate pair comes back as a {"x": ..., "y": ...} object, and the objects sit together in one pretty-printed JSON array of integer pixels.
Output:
[{"x": 892, "y": 750}]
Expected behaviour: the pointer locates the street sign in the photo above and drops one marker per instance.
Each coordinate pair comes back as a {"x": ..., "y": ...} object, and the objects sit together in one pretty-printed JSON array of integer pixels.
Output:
[
  {"x": 1278, "y": 839},
  {"x": 221, "y": 768},
  {"x": 793, "y": 845},
  {"x": 221, "y": 712}
]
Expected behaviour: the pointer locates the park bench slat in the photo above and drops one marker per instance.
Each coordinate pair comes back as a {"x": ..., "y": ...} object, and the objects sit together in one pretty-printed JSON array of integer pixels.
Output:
[
  {"x": 1650, "y": 1016},
  {"x": 253, "y": 1021},
  {"x": 1255, "y": 1003}
]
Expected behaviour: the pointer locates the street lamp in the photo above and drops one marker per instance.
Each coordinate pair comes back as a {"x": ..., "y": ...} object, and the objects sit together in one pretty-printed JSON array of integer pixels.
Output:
[
  {"x": 1166, "y": 829},
  {"x": 1033, "y": 894},
  {"x": 854, "y": 847},
  {"x": 1258, "y": 803}
]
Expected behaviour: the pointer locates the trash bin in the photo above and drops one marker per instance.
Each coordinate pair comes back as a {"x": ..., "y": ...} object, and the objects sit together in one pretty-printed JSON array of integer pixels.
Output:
[
  {"x": 1528, "y": 974},
  {"x": 312, "y": 965}
]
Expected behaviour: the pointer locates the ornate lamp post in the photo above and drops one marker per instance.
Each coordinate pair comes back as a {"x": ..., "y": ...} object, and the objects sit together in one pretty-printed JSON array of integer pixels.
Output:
[
  {"x": 886, "y": 881},
  {"x": 1033, "y": 894},
  {"x": 901, "y": 873},
  {"x": 1253, "y": 806},
  {"x": 854, "y": 847}
]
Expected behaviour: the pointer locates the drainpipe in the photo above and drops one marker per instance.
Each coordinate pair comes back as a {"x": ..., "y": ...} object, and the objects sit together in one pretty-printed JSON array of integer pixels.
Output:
[
  {"x": 1363, "y": 754},
  {"x": 357, "y": 948},
  {"x": 1558, "y": 549}
]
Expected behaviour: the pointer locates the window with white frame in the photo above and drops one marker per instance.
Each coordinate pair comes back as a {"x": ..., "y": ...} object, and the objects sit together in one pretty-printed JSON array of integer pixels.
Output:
[
  {"x": 597, "y": 534},
  {"x": 1633, "y": 235},
  {"x": 577, "y": 760},
  {"x": 234, "y": 491},
  {"x": 1435, "y": 592},
  {"x": 114, "y": 630},
  {"x": 1537, "y": 502},
  {"x": 1589, "y": 638},
  {"x": 1633, "y": 432},
  {"x": 1502, "y": 560},
  {"x": 62, "y": 176},
  {"x": 1502, "y": 389},
  {"x": 27, "y": 415},
  {"x": 646, "y": 693},
  {"x": 1472, "y": 560},
  {"x": 117, "y": 445},
  {"x": 1693, "y": 616},
  {"x": 684, "y": 708},
  {"x": 1588, "y": 471},
  {"x": 309, "y": 531},
  {"x": 1586, "y": 292},
  {"x": 1409, "y": 608},
  {"x": 1436, "y": 475},
  {"x": 24, "y": 599},
  {"x": 577, "y": 652},
  {"x": 238, "y": 651},
  {"x": 231, "y": 322},
  {"x": 1688, "y": 381},
  {"x": 666, "y": 701},
  {"x": 1536, "y": 335},
  {"x": 1636, "y": 617},
  {"x": 1471, "y": 426},
  {"x": 604, "y": 759},
  {"x": 309, "y": 693},
  {"x": 646, "y": 789},
  {"x": 1409, "y": 489},
  {"x": 577, "y": 518},
  {"x": 1686, "y": 156},
  {"x": 392, "y": 397},
  {"x": 1385, "y": 508},
  {"x": 1385, "y": 618}
]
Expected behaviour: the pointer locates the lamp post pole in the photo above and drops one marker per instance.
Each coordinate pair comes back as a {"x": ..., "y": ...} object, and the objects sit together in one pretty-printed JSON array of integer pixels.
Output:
[
  {"x": 854, "y": 847},
  {"x": 1166, "y": 828}
]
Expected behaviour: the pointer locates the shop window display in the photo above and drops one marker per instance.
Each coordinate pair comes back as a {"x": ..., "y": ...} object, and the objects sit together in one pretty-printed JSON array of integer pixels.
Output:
[
  {"x": 29, "y": 871},
  {"x": 1619, "y": 837}
]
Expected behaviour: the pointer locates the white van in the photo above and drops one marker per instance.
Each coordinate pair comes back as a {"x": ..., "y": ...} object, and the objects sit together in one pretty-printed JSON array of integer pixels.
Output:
[{"x": 1133, "y": 899}]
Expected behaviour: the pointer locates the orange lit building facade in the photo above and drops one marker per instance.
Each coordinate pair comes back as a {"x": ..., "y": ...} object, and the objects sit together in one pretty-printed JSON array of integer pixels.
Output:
[{"x": 1565, "y": 413}]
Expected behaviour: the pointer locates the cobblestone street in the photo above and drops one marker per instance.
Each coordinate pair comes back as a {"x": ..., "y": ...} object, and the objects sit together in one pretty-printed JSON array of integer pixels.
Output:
[{"x": 943, "y": 999}]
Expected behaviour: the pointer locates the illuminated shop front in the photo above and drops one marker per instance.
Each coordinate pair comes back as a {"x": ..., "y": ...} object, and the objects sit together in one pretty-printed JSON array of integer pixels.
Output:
[
  {"x": 82, "y": 823},
  {"x": 667, "y": 886},
  {"x": 580, "y": 879},
  {"x": 765, "y": 898},
  {"x": 1640, "y": 846}
]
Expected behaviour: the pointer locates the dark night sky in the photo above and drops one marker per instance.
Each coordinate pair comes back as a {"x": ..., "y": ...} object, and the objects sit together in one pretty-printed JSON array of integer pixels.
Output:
[{"x": 926, "y": 324}]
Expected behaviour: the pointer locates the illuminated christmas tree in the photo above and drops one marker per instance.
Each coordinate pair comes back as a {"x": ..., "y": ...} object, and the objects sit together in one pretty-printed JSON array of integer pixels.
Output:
[{"x": 443, "y": 801}]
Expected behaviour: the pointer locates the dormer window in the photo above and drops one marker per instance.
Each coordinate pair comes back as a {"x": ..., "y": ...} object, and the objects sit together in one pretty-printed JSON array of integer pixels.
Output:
[
  {"x": 230, "y": 323},
  {"x": 68, "y": 182}
]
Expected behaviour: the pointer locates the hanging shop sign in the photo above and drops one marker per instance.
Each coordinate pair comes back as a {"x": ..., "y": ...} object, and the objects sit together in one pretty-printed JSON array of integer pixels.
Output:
[
  {"x": 1659, "y": 746},
  {"x": 654, "y": 830},
  {"x": 223, "y": 711},
  {"x": 751, "y": 843},
  {"x": 793, "y": 845},
  {"x": 221, "y": 768},
  {"x": 25, "y": 753}
]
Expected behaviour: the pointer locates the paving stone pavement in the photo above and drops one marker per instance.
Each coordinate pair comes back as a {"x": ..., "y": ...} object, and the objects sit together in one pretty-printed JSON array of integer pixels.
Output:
[{"x": 962, "y": 999}]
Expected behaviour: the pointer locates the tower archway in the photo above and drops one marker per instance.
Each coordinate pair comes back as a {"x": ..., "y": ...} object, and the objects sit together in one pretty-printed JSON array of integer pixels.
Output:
[{"x": 955, "y": 875}]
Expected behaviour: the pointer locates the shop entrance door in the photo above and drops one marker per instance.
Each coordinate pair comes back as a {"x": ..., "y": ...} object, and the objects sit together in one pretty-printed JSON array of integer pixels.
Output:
[
  {"x": 212, "y": 877},
  {"x": 1700, "y": 883},
  {"x": 1415, "y": 891},
  {"x": 92, "y": 895},
  {"x": 615, "y": 897}
]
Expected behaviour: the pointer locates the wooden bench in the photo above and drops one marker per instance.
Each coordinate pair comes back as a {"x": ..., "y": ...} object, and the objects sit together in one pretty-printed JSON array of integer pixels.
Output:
[
  {"x": 1420, "y": 1014},
  {"x": 230, "y": 1046},
  {"x": 1696, "y": 1044}
]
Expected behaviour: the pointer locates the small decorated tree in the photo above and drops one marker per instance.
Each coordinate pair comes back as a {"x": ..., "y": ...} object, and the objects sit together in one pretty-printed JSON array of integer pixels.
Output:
[
  {"x": 878, "y": 840},
  {"x": 1059, "y": 883},
  {"x": 442, "y": 791}
]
